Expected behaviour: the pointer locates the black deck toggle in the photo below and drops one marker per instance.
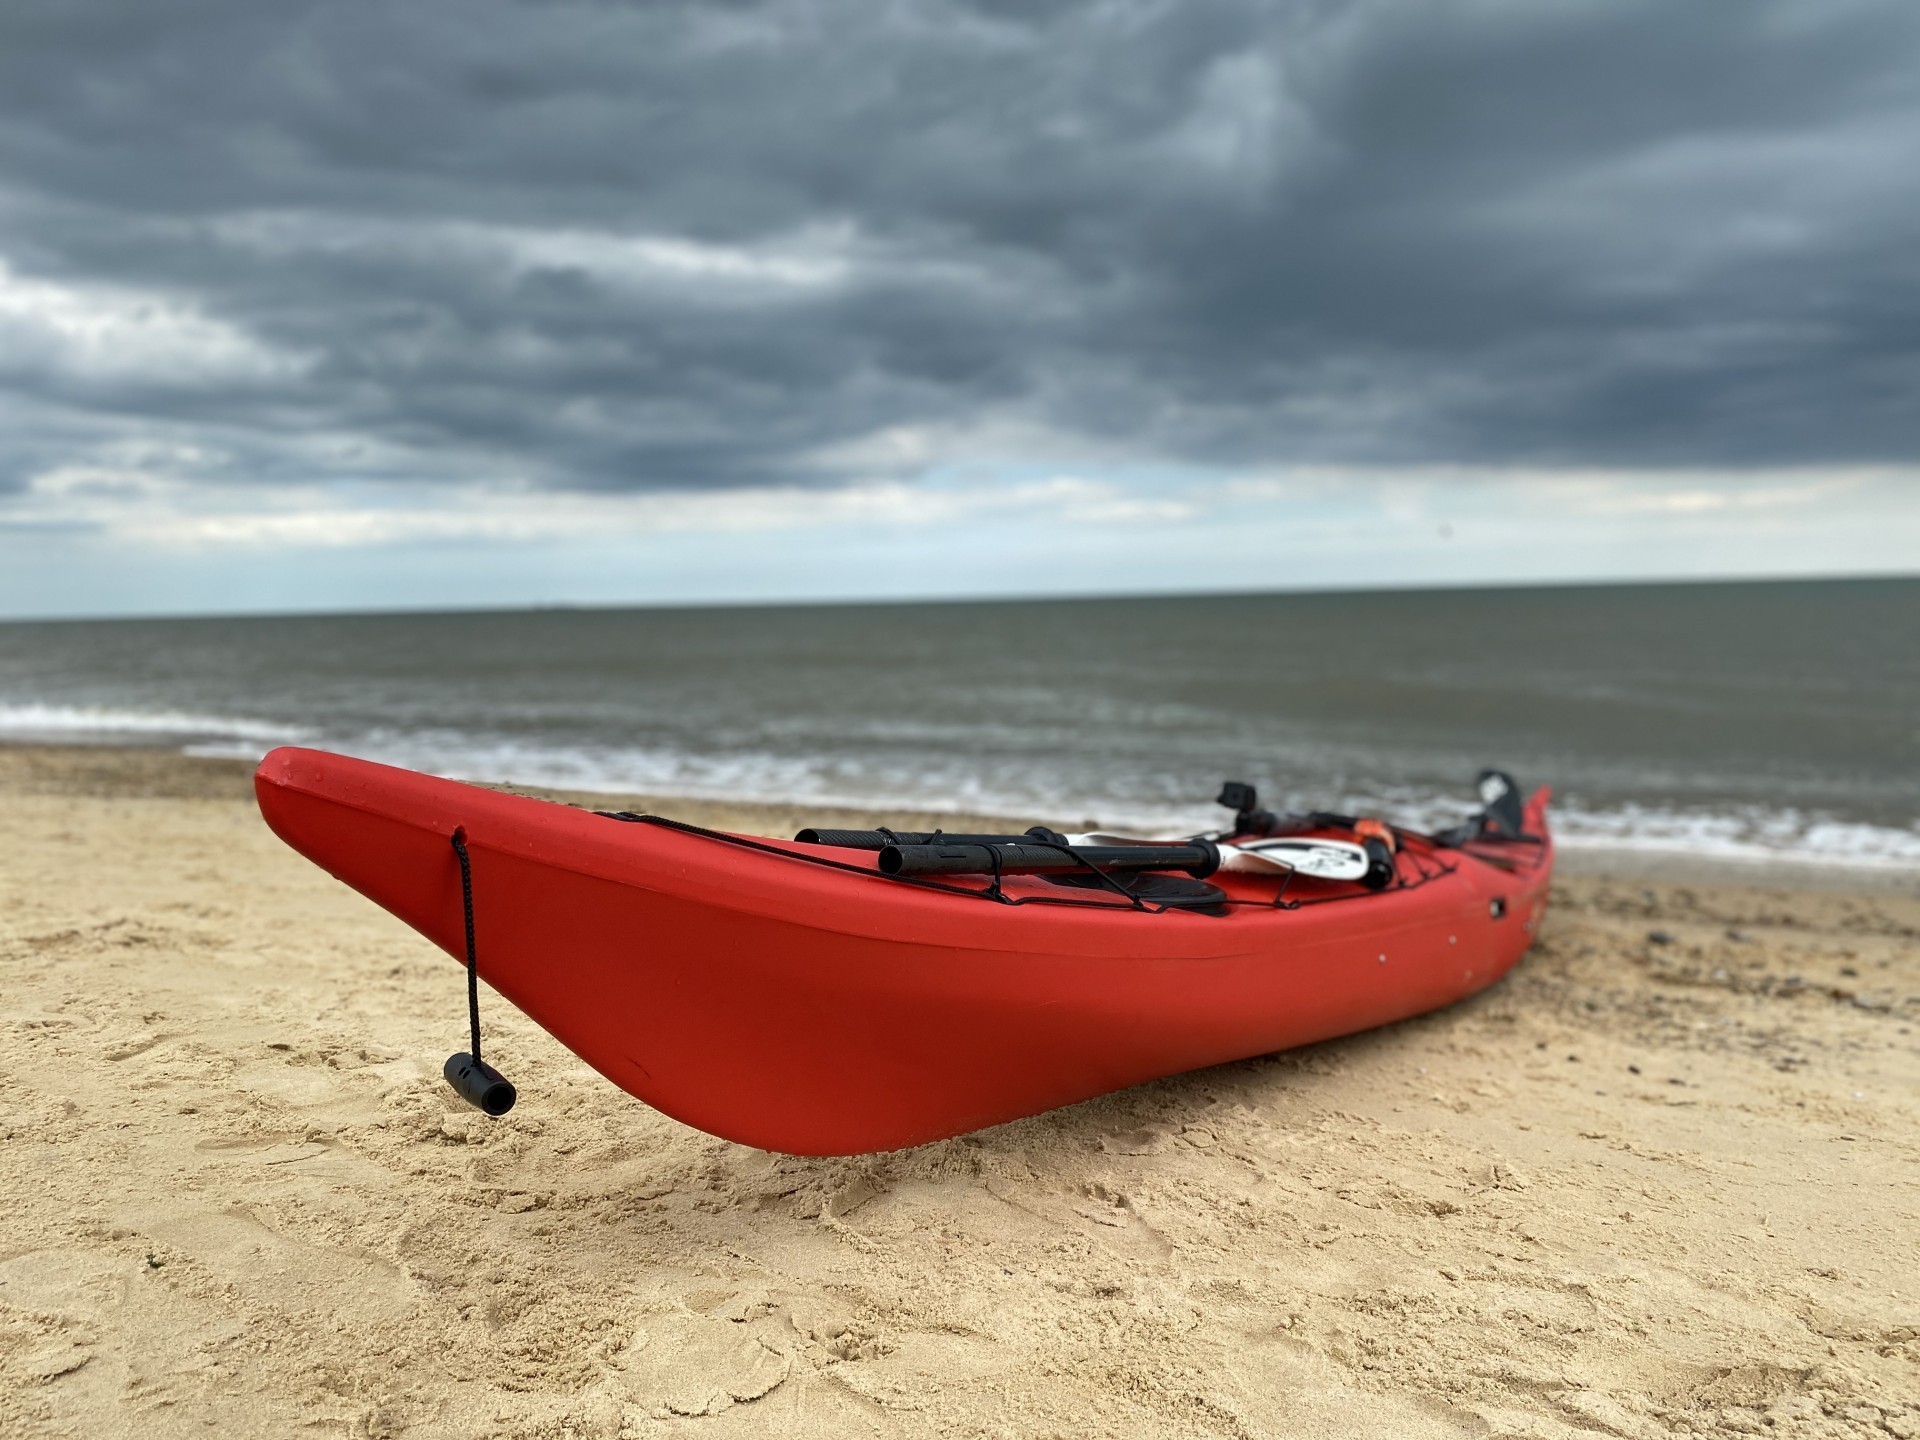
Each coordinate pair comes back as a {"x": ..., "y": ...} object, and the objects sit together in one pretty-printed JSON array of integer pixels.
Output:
[
  {"x": 472, "y": 1079},
  {"x": 480, "y": 1085}
]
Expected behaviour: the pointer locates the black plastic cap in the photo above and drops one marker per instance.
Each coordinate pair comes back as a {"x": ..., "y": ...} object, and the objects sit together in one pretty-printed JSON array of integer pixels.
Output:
[
  {"x": 1380, "y": 868},
  {"x": 1238, "y": 795},
  {"x": 480, "y": 1085}
]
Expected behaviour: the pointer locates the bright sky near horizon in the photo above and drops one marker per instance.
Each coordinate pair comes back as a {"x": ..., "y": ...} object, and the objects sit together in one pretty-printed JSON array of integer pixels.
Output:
[
  {"x": 140, "y": 554},
  {"x": 593, "y": 302}
]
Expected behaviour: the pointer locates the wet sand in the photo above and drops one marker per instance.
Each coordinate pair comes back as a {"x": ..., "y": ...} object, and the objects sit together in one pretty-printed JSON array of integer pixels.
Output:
[{"x": 1663, "y": 1180}]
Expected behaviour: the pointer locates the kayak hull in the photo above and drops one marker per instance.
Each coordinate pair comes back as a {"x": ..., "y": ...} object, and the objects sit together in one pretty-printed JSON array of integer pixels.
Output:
[{"x": 816, "y": 1010}]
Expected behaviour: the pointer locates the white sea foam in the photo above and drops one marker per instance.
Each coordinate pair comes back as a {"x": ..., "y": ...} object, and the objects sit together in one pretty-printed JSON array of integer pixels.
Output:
[
  {"x": 1742, "y": 833},
  {"x": 893, "y": 777},
  {"x": 37, "y": 720},
  {"x": 956, "y": 785}
]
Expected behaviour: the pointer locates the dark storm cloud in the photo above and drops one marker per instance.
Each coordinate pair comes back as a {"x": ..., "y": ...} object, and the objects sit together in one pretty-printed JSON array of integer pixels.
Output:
[{"x": 633, "y": 244}]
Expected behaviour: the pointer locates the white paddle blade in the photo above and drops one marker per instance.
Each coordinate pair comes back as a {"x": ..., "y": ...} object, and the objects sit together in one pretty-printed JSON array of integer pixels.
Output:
[
  {"x": 1286, "y": 854},
  {"x": 1322, "y": 859}
]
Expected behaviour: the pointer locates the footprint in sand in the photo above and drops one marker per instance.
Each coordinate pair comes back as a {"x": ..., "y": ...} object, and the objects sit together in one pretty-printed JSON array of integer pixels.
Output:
[
  {"x": 62, "y": 1295},
  {"x": 689, "y": 1364},
  {"x": 301, "y": 1087},
  {"x": 281, "y": 1270},
  {"x": 1144, "y": 1141},
  {"x": 1120, "y": 1227}
]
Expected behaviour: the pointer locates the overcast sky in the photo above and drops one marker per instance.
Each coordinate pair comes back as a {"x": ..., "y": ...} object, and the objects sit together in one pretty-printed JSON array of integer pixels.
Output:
[{"x": 355, "y": 304}]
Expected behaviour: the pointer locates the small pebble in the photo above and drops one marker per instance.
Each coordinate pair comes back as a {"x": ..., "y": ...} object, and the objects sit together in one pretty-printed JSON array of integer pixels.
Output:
[
  {"x": 1659, "y": 937},
  {"x": 1633, "y": 1069}
]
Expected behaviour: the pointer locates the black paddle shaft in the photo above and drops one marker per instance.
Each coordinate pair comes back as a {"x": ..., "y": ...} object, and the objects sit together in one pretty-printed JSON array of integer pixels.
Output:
[
  {"x": 881, "y": 839},
  {"x": 1198, "y": 858}
]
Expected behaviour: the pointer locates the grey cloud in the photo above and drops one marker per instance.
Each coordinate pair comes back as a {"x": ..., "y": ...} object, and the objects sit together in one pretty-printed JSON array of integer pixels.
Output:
[{"x": 1246, "y": 234}]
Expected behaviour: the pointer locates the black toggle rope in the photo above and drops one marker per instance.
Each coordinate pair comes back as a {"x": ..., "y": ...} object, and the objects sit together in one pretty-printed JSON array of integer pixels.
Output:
[
  {"x": 473, "y": 962},
  {"x": 472, "y": 1079}
]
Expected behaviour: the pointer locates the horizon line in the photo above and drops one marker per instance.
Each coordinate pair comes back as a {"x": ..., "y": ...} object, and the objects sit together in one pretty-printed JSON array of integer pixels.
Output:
[{"x": 1018, "y": 598}]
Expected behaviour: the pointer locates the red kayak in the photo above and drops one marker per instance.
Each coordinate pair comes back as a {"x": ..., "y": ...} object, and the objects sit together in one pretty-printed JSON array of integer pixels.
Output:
[{"x": 794, "y": 997}]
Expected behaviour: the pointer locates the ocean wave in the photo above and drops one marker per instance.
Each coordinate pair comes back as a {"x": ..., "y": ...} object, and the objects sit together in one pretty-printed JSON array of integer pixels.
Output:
[
  {"x": 949, "y": 785},
  {"x": 107, "y": 723},
  {"x": 957, "y": 784},
  {"x": 1741, "y": 833}
]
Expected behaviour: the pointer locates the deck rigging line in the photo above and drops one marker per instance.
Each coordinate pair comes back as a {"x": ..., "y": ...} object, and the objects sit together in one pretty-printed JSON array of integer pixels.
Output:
[{"x": 1427, "y": 869}]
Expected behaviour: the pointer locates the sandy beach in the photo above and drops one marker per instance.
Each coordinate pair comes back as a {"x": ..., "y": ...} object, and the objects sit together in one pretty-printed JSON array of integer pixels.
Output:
[{"x": 1663, "y": 1180}]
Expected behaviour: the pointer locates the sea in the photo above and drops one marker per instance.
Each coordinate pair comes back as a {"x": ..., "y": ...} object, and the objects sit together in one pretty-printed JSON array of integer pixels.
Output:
[{"x": 1769, "y": 721}]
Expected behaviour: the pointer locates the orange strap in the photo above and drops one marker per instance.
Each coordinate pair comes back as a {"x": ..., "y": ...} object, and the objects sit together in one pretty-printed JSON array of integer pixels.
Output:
[{"x": 1376, "y": 830}]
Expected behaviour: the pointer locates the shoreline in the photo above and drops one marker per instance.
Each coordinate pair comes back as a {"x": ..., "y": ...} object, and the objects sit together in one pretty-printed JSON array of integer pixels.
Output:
[{"x": 137, "y": 770}]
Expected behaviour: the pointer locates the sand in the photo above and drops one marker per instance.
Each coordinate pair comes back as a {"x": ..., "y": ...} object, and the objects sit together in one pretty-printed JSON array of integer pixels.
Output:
[{"x": 1663, "y": 1180}]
